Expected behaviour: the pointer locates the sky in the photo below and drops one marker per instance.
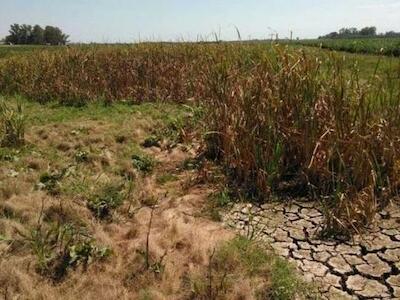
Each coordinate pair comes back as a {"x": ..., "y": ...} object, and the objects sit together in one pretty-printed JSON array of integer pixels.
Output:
[{"x": 172, "y": 20}]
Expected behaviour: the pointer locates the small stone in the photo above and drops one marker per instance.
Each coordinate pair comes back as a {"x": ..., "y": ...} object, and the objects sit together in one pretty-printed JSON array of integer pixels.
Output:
[
  {"x": 305, "y": 204},
  {"x": 346, "y": 249},
  {"x": 339, "y": 294},
  {"x": 305, "y": 245},
  {"x": 308, "y": 277},
  {"x": 315, "y": 268},
  {"x": 390, "y": 232},
  {"x": 329, "y": 243},
  {"x": 266, "y": 239},
  {"x": 332, "y": 280},
  {"x": 324, "y": 248},
  {"x": 379, "y": 242},
  {"x": 246, "y": 210},
  {"x": 239, "y": 226},
  {"x": 311, "y": 213},
  {"x": 282, "y": 248},
  {"x": 366, "y": 287},
  {"x": 266, "y": 206},
  {"x": 389, "y": 224},
  {"x": 374, "y": 266},
  {"x": 291, "y": 217},
  {"x": 279, "y": 207},
  {"x": 299, "y": 263},
  {"x": 396, "y": 292},
  {"x": 281, "y": 236},
  {"x": 302, "y": 224},
  {"x": 292, "y": 209},
  {"x": 256, "y": 220},
  {"x": 339, "y": 265},
  {"x": 394, "y": 281},
  {"x": 13, "y": 173},
  {"x": 297, "y": 234},
  {"x": 302, "y": 254},
  {"x": 392, "y": 255},
  {"x": 321, "y": 256},
  {"x": 317, "y": 220},
  {"x": 353, "y": 260}
]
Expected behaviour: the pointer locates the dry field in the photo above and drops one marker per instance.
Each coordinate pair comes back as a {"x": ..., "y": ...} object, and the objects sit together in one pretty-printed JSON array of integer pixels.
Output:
[
  {"x": 107, "y": 202},
  {"x": 117, "y": 164}
]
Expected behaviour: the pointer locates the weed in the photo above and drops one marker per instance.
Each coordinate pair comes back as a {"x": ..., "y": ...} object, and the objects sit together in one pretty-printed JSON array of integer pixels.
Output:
[
  {"x": 51, "y": 181},
  {"x": 272, "y": 114},
  {"x": 120, "y": 139},
  {"x": 106, "y": 199},
  {"x": 165, "y": 178},
  {"x": 82, "y": 156},
  {"x": 238, "y": 259},
  {"x": 143, "y": 163},
  {"x": 12, "y": 125},
  {"x": 215, "y": 203},
  {"x": 151, "y": 141},
  {"x": 61, "y": 247},
  {"x": 192, "y": 164},
  {"x": 7, "y": 155}
]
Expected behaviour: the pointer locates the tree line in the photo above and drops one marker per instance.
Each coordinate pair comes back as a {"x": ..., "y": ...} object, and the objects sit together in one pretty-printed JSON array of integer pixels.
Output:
[
  {"x": 35, "y": 35},
  {"x": 356, "y": 33}
]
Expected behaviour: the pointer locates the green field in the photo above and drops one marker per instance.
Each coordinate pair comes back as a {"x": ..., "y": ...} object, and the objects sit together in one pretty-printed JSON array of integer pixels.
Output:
[
  {"x": 378, "y": 46},
  {"x": 7, "y": 51}
]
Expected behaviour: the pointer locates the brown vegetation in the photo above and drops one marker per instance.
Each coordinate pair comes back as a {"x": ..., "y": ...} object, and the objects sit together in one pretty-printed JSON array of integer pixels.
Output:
[{"x": 278, "y": 119}]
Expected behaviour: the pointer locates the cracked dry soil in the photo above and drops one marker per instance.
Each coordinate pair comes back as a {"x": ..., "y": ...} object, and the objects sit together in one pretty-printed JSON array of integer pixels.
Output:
[{"x": 367, "y": 267}]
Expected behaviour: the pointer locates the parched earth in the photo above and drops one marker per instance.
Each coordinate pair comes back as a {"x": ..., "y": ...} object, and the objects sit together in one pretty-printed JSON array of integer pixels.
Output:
[{"x": 367, "y": 267}]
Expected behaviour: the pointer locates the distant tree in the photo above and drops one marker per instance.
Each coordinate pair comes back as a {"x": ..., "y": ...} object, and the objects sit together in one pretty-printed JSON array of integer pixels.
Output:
[
  {"x": 38, "y": 35},
  {"x": 26, "y": 35},
  {"x": 355, "y": 33},
  {"x": 392, "y": 34},
  {"x": 14, "y": 36},
  {"x": 331, "y": 35},
  {"x": 348, "y": 32},
  {"x": 368, "y": 31},
  {"x": 54, "y": 36}
]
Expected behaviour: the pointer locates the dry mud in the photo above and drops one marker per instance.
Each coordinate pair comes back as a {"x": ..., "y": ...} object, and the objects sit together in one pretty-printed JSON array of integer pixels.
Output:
[{"x": 367, "y": 267}]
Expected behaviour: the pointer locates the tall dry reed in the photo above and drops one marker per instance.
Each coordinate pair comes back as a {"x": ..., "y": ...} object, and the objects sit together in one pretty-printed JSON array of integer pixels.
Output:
[{"x": 279, "y": 120}]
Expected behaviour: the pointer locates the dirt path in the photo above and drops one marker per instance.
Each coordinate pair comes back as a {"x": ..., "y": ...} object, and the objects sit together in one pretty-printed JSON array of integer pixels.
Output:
[{"x": 366, "y": 268}]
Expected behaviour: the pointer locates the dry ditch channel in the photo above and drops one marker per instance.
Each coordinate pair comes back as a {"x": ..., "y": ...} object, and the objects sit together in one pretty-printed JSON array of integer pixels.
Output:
[{"x": 367, "y": 267}]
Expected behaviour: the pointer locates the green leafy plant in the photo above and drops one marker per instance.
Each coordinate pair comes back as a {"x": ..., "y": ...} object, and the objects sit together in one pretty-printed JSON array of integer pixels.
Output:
[
  {"x": 143, "y": 163},
  {"x": 106, "y": 199},
  {"x": 192, "y": 163},
  {"x": 217, "y": 202},
  {"x": 51, "y": 181},
  {"x": 7, "y": 155},
  {"x": 60, "y": 247}
]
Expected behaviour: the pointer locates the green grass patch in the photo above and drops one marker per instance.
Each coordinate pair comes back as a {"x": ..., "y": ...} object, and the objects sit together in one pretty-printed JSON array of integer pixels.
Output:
[
  {"x": 120, "y": 112},
  {"x": 166, "y": 178},
  {"x": 143, "y": 163},
  {"x": 239, "y": 260},
  {"x": 216, "y": 202}
]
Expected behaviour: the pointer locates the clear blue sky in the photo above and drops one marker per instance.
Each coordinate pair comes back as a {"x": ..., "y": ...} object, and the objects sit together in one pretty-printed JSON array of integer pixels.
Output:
[{"x": 126, "y": 20}]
